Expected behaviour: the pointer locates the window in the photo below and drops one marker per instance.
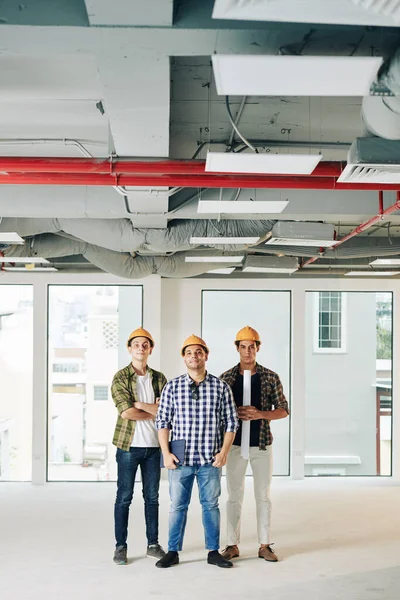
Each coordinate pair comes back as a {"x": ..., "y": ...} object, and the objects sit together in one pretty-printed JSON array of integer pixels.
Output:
[
  {"x": 349, "y": 396},
  {"x": 100, "y": 392},
  {"x": 88, "y": 329},
  {"x": 16, "y": 366},
  {"x": 223, "y": 314},
  {"x": 330, "y": 324}
]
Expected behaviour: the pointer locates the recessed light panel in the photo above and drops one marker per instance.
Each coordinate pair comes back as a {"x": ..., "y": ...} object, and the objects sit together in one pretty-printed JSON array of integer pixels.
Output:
[
  {"x": 226, "y": 271},
  {"x": 339, "y": 12},
  {"x": 372, "y": 273},
  {"x": 266, "y": 75},
  {"x": 386, "y": 261},
  {"x": 241, "y": 207},
  {"x": 272, "y": 164},
  {"x": 34, "y": 270},
  {"x": 224, "y": 240},
  {"x": 217, "y": 259},
  {"x": 11, "y": 238},
  {"x": 24, "y": 259}
]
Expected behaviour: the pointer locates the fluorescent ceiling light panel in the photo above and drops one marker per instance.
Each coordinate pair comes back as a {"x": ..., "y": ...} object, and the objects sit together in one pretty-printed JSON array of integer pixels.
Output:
[
  {"x": 28, "y": 260},
  {"x": 241, "y": 207},
  {"x": 217, "y": 259},
  {"x": 340, "y": 12},
  {"x": 386, "y": 261},
  {"x": 226, "y": 271},
  {"x": 267, "y": 270},
  {"x": 224, "y": 240},
  {"x": 273, "y": 164},
  {"x": 11, "y": 238},
  {"x": 372, "y": 273},
  {"x": 35, "y": 270},
  {"x": 266, "y": 75}
]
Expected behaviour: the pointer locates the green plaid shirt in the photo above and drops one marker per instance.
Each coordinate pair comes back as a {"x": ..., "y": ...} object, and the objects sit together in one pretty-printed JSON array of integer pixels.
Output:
[
  {"x": 272, "y": 396},
  {"x": 124, "y": 394}
]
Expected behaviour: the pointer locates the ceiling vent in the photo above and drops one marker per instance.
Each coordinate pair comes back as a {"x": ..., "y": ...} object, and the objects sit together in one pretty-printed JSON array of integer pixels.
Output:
[
  {"x": 286, "y": 233},
  {"x": 372, "y": 160},
  {"x": 387, "y": 8}
]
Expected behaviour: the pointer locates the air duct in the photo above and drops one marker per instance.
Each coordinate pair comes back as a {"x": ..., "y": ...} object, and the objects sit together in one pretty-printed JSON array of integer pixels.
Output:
[{"x": 121, "y": 236}]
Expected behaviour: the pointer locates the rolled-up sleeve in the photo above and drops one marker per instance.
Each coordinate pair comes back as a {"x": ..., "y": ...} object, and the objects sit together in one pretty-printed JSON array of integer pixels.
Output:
[
  {"x": 278, "y": 398},
  {"x": 229, "y": 416},
  {"x": 120, "y": 394},
  {"x": 165, "y": 408}
]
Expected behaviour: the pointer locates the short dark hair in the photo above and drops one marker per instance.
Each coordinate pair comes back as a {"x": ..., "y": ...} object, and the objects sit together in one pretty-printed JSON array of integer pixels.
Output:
[
  {"x": 134, "y": 338},
  {"x": 255, "y": 341}
]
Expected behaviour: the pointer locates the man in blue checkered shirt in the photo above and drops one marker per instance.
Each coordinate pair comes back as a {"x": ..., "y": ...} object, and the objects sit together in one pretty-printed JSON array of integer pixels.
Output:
[{"x": 199, "y": 408}]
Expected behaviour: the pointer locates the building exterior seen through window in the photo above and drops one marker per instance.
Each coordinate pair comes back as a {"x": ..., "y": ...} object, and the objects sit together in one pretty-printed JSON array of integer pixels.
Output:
[
  {"x": 348, "y": 383},
  {"x": 16, "y": 366},
  {"x": 88, "y": 328}
]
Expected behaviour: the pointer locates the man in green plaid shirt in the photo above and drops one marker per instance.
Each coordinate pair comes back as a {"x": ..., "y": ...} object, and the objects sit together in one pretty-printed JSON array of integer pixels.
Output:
[{"x": 136, "y": 390}]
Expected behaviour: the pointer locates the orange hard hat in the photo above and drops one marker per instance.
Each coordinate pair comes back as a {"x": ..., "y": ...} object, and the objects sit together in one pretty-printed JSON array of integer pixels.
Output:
[
  {"x": 247, "y": 334},
  {"x": 140, "y": 332},
  {"x": 194, "y": 340}
]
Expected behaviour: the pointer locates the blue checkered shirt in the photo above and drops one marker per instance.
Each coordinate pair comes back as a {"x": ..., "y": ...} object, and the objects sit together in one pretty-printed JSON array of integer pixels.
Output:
[{"x": 201, "y": 417}]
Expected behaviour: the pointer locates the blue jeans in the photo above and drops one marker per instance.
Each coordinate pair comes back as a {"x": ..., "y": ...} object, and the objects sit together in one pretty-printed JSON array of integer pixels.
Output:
[
  {"x": 180, "y": 489},
  {"x": 128, "y": 462}
]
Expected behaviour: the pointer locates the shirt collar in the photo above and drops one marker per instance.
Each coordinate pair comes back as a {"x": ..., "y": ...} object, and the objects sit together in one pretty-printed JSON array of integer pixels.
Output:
[
  {"x": 191, "y": 381},
  {"x": 132, "y": 371}
]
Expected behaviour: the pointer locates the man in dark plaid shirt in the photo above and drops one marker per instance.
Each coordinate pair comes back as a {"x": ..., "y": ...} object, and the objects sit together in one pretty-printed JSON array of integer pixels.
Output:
[
  {"x": 267, "y": 404},
  {"x": 199, "y": 409},
  {"x": 135, "y": 391}
]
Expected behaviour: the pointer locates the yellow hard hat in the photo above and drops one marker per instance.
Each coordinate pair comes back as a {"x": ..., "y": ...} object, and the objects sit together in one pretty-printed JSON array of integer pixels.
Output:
[
  {"x": 140, "y": 332},
  {"x": 194, "y": 340},
  {"x": 247, "y": 334}
]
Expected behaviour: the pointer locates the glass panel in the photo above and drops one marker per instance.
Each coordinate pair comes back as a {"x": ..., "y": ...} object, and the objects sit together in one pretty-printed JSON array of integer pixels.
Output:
[
  {"x": 88, "y": 329},
  {"x": 348, "y": 395},
  {"x": 16, "y": 365},
  {"x": 224, "y": 313}
]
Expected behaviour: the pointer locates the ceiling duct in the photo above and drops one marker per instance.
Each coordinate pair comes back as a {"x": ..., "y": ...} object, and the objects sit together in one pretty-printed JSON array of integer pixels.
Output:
[
  {"x": 288, "y": 233},
  {"x": 372, "y": 160}
]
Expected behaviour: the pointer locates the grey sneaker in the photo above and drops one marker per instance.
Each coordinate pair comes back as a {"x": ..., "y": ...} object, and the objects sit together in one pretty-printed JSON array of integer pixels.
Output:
[
  {"x": 155, "y": 551},
  {"x": 120, "y": 555}
]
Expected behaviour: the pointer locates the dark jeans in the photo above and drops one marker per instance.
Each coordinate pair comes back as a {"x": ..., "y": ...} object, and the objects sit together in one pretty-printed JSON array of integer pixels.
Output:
[{"x": 128, "y": 462}]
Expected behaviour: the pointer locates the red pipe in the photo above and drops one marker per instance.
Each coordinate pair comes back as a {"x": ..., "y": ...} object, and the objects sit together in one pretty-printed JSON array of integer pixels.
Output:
[
  {"x": 193, "y": 181},
  {"x": 128, "y": 166},
  {"x": 363, "y": 226}
]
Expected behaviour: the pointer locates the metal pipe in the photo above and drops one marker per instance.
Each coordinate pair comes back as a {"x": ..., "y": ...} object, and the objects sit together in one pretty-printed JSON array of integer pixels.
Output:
[
  {"x": 192, "y": 181},
  {"x": 108, "y": 166},
  {"x": 362, "y": 227}
]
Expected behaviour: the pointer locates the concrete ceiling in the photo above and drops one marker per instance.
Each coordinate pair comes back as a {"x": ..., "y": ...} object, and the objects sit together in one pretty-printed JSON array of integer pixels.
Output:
[{"x": 134, "y": 79}]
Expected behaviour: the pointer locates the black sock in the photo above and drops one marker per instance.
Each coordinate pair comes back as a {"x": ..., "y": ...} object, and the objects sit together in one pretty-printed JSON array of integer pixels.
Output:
[{"x": 213, "y": 552}]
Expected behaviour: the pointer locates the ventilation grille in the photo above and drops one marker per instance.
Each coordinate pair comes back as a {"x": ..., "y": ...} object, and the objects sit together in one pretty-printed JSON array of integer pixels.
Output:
[
  {"x": 370, "y": 173},
  {"x": 388, "y": 8}
]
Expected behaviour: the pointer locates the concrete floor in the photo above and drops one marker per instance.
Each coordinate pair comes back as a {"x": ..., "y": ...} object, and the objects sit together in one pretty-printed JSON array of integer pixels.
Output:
[{"x": 335, "y": 538}]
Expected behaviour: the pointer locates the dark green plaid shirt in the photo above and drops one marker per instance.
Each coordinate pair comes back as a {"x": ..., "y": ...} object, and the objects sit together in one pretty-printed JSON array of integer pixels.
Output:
[
  {"x": 272, "y": 397},
  {"x": 124, "y": 394}
]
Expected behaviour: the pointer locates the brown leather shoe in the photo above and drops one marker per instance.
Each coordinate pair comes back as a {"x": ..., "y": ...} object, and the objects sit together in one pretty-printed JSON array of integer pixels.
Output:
[
  {"x": 267, "y": 553},
  {"x": 230, "y": 552}
]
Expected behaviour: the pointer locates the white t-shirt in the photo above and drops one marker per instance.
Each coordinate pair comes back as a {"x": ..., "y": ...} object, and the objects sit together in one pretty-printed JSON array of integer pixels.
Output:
[{"x": 145, "y": 434}]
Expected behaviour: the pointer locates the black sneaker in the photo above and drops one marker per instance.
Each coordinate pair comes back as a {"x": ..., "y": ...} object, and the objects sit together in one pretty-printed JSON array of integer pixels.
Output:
[
  {"x": 215, "y": 558},
  {"x": 155, "y": 551},
  {"x": 120, "y": 555},
  {"x": 170, "y": 559}
]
